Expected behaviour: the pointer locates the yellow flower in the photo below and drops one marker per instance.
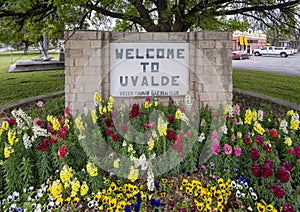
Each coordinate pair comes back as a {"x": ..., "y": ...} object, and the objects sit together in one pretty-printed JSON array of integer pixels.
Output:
[
  {"x": 295, "y": 124},
  {"x": 94, "y": 116},
  {"x": 1, "y": 131},
  {"x": 150, "y": 145},
  {"x": 84, "y": 188},
  {"x": 78, "y": 123},
  {"x": 97, "y": 197},
  {"x": 185, "y": 182},
  {"x": 133, "y": 174},
  {"x": 260, "y": 207},
  {"x": 162, "y": 126},
  {"x": 178, "y": 114},
  {"x": 7, "y": 151},
  {"x": 92, "y": 169},
  {"x": 288, "y": 141},
  {"x": 117, "y": 163},
  {"x": 11, "y": 137},
  {"x": 66, "y": 173},
  {"x": 111, "y": 99},
  {"x": 4, "y": 125},
  {"x": 290, "y": 112},
  {"x": 155, "y": 103},
  {"x": 113, "y": 203},
  {"x": 49, "y": 118},
  {"x": 239, "y": 135},
  {"x": 97, "y": 97},
  {"x": 55, "y": 123},
  {"x": 258, "y": 128},
  {"x": 122, "y": 204},
  {"x": 248, "y": 117},
  {"x": 147, "y": 104}
]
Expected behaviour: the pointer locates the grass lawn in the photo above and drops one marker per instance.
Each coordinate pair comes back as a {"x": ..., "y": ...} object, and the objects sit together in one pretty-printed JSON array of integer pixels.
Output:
[
  {"x": 17, "y": 86},
  {"x": 271, "y": 84}
]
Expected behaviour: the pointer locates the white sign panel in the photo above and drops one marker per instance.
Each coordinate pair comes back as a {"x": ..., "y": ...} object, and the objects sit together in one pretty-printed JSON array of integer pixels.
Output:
[{"x": 149, "y": 69}]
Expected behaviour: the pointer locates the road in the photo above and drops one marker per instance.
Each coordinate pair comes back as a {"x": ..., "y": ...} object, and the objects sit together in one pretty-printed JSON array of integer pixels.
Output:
[{"x": 289, "y": 65}]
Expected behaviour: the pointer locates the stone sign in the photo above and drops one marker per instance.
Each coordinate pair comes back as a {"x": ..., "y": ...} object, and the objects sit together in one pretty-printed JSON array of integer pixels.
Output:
[
  {"x": 135, "y": 65},
  {"x": 149, "y": 69}
]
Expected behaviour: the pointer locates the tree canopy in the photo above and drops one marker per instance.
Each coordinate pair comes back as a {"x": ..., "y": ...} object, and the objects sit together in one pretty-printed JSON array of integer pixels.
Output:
[{"x": 154, "y": 15}]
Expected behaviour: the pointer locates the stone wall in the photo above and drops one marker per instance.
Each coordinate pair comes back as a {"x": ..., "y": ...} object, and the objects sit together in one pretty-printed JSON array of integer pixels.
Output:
[{"x": 87, "y": 64}]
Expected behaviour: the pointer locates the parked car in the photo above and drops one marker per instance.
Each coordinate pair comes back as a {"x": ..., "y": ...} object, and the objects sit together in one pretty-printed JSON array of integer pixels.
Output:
[
  {"x": 290, "y": 48},
  {"x": 273, "y": 50},
  {"x": 239, "y": 55}
]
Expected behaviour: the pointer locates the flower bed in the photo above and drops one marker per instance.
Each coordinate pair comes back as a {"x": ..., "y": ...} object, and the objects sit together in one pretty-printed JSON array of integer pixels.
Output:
[{"x": 151, "y": 157}]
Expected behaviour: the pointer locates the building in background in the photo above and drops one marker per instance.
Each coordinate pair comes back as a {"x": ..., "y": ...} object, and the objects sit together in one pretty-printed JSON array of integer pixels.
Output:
[{"x": 247, "y": 41}]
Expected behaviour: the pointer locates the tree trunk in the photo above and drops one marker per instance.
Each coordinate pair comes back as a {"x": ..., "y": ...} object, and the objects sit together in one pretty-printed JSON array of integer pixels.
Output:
[{"x": 27, "y": 43}]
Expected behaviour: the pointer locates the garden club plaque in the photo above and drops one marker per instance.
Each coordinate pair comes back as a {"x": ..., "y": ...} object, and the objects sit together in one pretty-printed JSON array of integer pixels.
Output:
[{"x": 149, "y": 69}]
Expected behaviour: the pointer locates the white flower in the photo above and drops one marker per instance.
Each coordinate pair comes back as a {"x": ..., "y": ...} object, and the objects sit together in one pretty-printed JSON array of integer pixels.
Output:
[
  {"x": 245, "y": 184},
  {"x": 251, "y": 190},
  {"x": 249, "y": 208},
  {"x": 38, "y": 131},
  {"x": 233, "y": 184},
  {"x": 238, "y": 194},
  {"x": 201, "y": 138},
  {"x": 91, "y": 204},
  {"x": 243, "y": 195},
  {"x": 9, "y": 198},
  {"x": 27, "y": 141},
  {"x": 150, "y": 179},
  {"x": 184, "y": 118},
  {"x": 224, "y": 129},
  {"x": 239, "y": 186},
  {"x": 254, "y": 196},
  {"x": 283, "y": 126},
  {"x": 16, "y": 195},
  {"x": 30, "y": 189},
  {"x": 260, "y": 115}
]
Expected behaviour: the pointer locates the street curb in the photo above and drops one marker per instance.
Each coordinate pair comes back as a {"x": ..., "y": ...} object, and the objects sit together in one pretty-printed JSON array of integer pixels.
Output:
[
  {"x": 29, "y": 100},
  {"x": 271, "y": 99}
]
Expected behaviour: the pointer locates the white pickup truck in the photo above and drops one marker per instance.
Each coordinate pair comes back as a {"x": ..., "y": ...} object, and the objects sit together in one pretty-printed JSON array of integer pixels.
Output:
[{"x": 273, "y": 50}]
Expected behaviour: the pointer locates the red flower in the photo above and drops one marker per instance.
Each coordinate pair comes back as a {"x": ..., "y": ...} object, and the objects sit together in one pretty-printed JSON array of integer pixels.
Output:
[
  {"x": 52, "y": 140},
  {"x": 283, "y": 175},
  {"x": 287, "y": 208},
  {"x": 254, "y": 154},
  {"x": 255, "y": 170},
  {"x": 246, "y": 139},
  {"x": 63, "y": 151},
  {"x": 278, "y": 191},
  {"x": 274, "y": 134},
  {"x": 178, "y": 145},
  {"x": 115, "y": 136},
  {"x": 268, "y": 148},
  {"x": 108, "y": 122},
  {"x": 259, "y": 139},
  {"x": 134, "y": 111},
  {"x": 287, "y": 166},
  {"x": 109, "y": 132},
  {"x": 266, "y": 171},
  {"x": 171, "y": 134},
  {"x": 63, "y": 132},
  {"x": 170, "y": 118},
  {"x": 123, "y": 128},
  {"x": 11, "y": 122},
  {"x": 43, "y": 145}
]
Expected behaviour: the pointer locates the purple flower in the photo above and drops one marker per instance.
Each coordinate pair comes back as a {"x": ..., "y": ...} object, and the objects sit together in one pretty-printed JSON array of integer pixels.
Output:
[{"x": 212, "y": 165}]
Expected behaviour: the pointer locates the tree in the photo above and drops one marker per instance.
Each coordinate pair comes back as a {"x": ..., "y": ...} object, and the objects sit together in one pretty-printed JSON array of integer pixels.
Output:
[{"x": 157, "y": 15}]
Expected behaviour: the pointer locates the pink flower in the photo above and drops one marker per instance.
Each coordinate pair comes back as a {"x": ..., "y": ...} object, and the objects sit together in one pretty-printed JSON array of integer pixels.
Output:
[
  {"x": 40, "y": 104},
  {"x": 123, "y": 128},
  {"x": 227, "y": 149},
  {"x": 147, "y": 99},
  {"x": 292, "y": 151},
  {"x": 215, "y": 148},
  {"x": 233, "y": 138},
  {"x": 189, "y": 134},
  {"x": 236, "y": 110},
  {"x": 237, "y": 151},
  {"x": 214, "y": 136}
]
